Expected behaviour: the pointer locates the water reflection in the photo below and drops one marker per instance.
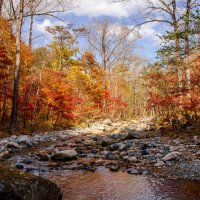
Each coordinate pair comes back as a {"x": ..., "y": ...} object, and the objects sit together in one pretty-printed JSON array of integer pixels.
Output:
[{"x": 104, "y": 185}]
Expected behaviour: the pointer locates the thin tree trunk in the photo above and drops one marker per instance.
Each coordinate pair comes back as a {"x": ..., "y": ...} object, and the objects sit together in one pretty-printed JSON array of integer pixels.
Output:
[
  {"x": 13, "y": 121},
  {"x": 31, "y": 32},
  {"x": 37, "y": 93}
]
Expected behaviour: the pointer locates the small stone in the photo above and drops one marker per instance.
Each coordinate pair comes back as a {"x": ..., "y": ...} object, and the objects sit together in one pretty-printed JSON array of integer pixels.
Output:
[
  {"x": 27, "y": 161},
  {"x": 172, "y": 156},
  {"x": 114, "y": 168},
  {"x": 108, "y": 122},
  {"x": 95, "y": 138},
  {"x": 132, "y": 159},
  {"x": 145, "y": 152},
  {"x": 65, "y": 155},
  {"x": 198, "y": 153},
  {"x": 114, "y": 146},
  {"x": 133, "y": 135},
  {"x": 126, "y": 146},
  {"x": 133, "y": 171},
  {"x": 159, "y": 164},
  {"x": 4, "y": 154}
]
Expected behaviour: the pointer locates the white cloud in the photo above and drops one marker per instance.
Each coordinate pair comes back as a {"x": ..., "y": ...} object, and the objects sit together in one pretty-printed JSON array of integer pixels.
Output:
[
  {"x": 95, "y": 8},
  {"x": 41, "y": 27},
  {"x": 149, "y": 31}
]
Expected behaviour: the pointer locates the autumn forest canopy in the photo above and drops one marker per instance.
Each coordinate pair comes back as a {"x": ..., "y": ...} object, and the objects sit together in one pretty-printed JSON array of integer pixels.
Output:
[{"x": 91, "y": 71}]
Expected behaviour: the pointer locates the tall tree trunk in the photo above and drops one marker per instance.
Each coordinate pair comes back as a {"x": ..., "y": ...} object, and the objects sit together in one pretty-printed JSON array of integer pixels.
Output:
[
  {"x": 1, "y": 6},
  {"x": 177, "y": 45},
  {"x": 19, "y": 22},
  {"x": 187, "y": 46}
]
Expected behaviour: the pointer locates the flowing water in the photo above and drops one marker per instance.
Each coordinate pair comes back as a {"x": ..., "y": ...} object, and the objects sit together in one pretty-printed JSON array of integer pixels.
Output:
[{"x": 106, "y": 185}]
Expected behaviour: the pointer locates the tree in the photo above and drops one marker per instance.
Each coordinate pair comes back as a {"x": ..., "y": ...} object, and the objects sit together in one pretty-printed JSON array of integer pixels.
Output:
[
  {"x": 19, "y": 22},
  {"x": 110, "y": 42},
  {"x": 64, "y": 44},
  {"x": 20, "y": 10}
]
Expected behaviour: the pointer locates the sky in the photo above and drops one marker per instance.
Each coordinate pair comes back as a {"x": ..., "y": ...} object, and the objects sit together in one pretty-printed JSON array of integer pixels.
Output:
[{"x": 122, "y": 13}]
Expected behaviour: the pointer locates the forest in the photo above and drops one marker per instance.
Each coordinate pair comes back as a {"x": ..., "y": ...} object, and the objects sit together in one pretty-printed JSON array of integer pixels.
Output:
[{"x": 59, "y": 85}]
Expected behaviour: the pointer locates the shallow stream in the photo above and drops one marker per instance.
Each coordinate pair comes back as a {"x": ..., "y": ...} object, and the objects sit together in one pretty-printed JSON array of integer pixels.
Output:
[{"x": 106, "y": 185}]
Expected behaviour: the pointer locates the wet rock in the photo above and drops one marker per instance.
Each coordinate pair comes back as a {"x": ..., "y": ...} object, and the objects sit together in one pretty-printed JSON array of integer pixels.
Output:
[
  {"x": 172, "y": 156},
  {"x": 114, "y": 168},
  {"x": 159, "y": 164},
  {"x": 64, "y": 155},
  {"x": 15, "y": 185}
]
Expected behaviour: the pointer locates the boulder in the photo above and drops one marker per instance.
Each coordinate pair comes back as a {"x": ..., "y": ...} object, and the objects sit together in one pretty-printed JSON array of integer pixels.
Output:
[
  {"x": 64, "y": 155},
  {"x": 22, "y": 139},
  {"x": 16, "y": 185},
  {"x": 172, "y": 156},
  {"x": 13, "y": 145}
]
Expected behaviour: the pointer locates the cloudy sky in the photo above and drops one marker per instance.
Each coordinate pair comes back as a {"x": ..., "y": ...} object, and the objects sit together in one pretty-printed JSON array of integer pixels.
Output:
[{"x": 124, "y": 13}]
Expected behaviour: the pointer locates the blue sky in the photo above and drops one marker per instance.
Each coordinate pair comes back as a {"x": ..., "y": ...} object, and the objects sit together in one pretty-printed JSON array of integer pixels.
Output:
[{"x": 124, "y": 13}]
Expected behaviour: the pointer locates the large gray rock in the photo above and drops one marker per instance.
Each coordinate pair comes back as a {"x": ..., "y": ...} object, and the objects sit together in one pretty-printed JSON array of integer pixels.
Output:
[
  {"x": 13, "y": 145},
  {"x": 22, "y": 139},
  {"x": 64, "y": 155},
  {"x": 15, "y": 185},
  {"x": 172, "y": 156}
]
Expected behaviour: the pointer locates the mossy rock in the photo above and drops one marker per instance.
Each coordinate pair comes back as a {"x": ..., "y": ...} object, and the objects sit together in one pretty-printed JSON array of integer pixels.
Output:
[{"x": 17, "y": 185}]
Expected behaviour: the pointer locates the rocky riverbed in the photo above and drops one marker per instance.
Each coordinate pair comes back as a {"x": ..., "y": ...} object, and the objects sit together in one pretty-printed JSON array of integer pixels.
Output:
[{"x": 133, "y": 147}]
